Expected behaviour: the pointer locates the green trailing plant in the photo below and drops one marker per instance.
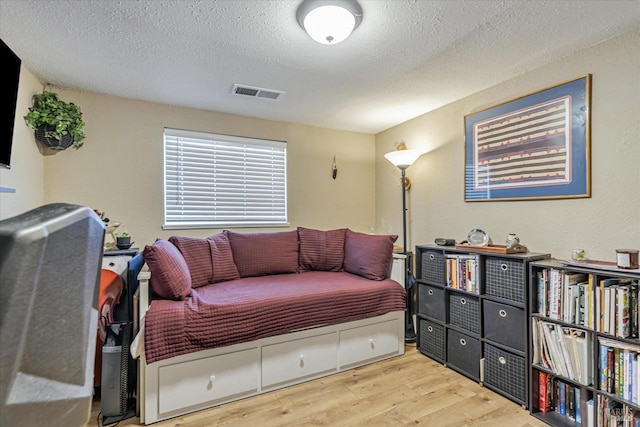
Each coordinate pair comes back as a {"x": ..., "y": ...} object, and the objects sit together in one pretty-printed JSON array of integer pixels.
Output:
[{"x": 62, "y": 117}]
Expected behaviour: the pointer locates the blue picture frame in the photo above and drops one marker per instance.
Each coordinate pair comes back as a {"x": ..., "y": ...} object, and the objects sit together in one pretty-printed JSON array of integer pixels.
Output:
[{"x": 533, "y": 147}]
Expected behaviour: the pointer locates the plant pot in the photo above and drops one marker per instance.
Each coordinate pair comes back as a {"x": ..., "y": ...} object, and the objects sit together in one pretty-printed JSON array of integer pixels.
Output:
[
  {"x": 123, "y": 242},
  {"x": 55, "y": 144}
]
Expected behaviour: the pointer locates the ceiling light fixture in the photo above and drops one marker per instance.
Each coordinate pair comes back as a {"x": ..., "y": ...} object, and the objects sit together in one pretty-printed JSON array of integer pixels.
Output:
[{"x": 329, "y": 21}]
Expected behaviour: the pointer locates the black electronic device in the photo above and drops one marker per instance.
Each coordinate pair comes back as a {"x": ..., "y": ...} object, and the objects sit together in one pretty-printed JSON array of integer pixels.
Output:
[
  {"x": 9, "y": 99},
  {"x": 445, "y": 242}
]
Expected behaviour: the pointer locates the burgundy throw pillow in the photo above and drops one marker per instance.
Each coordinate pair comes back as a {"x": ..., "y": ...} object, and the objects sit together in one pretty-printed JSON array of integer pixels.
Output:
[
  {"x": 321, "y": 250},
  {"x": 197, "y": 255},
  {"x": 261, "y": 254},
  {"x": 368, "y": 255},
  {"x": 224, "y": 268},
  {"x": 170, "y": 277}
]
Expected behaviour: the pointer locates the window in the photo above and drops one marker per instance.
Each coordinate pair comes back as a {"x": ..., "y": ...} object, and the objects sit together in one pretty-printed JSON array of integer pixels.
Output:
[{"x": 214, "y": 181}]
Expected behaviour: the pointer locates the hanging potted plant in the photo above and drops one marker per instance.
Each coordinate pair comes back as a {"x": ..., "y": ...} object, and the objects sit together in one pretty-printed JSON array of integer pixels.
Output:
[{"x": 57, "y": 124}]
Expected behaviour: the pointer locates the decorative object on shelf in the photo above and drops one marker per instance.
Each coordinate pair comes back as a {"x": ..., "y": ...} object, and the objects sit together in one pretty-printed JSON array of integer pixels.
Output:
[
  {"x": 57, "y": 124},
  {"x": 504, "y": 140},
  {"x": 477, "y": 237},
  {"x": 123, "y": 240},
  {"x": 578, "y": 255},
  {"x": 627, "y": 258},
  {"x": 512, "y": 240},
  {"x": 329, "y": 22},
  {"x": 402, "y": 158}
]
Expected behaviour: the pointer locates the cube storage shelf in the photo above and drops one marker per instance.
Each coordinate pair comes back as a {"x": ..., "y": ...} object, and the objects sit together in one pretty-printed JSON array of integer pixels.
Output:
[
  {"x": 472, "y": 314},
  {"x": 595, "y": 379}
]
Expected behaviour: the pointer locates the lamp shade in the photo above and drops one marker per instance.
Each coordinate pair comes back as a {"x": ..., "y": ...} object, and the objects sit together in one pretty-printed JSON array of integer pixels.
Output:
[
  {"x": 403, "y": 158},
  {"x": 329, "y": 21}
]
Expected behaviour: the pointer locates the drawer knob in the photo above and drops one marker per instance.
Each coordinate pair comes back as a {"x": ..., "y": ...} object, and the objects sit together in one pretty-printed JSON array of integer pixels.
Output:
[
  {"x": 371, "y": 343},
  {"x": 302, "y": 360},
  {"x": 432, "y": 257},
  {"x": 463, "y": 341},
  {"x": 212, "y": 378},
  {"x": 463, "y": 301},
  {"x": 502, "y": 360},
  {"x": 430, "y": 328},
  {"x": 502, "y": 313},
  {"x": 504, "y": 267},
  {"x": 430, "y": 292}
]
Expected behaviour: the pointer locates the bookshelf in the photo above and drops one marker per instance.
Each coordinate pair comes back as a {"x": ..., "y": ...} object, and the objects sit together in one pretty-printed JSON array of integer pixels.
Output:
[
  {"x": 584, "y": 363},
  {"x": 472, "y": 314}
]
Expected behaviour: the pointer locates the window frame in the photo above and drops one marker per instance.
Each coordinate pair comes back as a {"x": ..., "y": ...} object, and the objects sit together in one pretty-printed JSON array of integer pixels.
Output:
[{"x": 225, "y": 139}]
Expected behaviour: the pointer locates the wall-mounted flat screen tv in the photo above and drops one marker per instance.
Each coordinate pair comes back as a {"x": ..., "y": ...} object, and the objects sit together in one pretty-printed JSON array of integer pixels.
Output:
[{"x": 8, "y": 97}]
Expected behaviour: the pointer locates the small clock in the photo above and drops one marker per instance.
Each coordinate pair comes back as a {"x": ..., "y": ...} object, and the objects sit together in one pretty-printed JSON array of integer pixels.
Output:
[{"x": 477, "y": 237}]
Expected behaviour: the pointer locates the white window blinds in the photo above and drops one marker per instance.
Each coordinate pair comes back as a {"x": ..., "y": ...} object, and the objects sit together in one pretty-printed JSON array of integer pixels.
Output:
[{"x": 214, "y": 181}]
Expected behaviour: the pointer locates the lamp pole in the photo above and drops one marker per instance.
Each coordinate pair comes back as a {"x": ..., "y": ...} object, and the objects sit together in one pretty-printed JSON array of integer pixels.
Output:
[{"x": 409, "y": 334}]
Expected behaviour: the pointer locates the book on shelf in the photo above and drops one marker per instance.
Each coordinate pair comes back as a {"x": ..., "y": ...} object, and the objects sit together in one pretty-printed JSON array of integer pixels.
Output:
[
  {"x": 462, "y": 272},
  {"x": 543, "y": 293},
  {"x": 544, "y": 391},
  {"x": 565, "y": 350},
  {"x": 555, "y": 294},
  {"x": 590, "y": 415},
  {"x": 619, "y": 369}
]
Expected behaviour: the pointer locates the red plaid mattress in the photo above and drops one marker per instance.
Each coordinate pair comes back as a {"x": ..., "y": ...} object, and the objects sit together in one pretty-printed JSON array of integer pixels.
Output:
[{"x": 256, "y": 307}]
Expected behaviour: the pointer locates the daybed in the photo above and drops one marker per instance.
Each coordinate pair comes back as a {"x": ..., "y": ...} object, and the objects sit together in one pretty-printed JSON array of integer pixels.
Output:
[{"x": 235, "y": 315}]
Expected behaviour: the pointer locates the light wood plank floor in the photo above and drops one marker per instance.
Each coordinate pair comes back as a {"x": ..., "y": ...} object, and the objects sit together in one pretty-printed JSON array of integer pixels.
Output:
[{"x": 404, "y": 391}]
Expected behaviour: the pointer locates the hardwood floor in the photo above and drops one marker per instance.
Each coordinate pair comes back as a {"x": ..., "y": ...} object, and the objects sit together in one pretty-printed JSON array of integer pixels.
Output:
[{"x": 405, "y": 391}]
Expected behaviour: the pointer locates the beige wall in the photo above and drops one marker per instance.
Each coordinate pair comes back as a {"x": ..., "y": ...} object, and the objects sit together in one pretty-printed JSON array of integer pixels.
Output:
[
  {"x": 608, "y": 220},
  {"x": 26, "y": 175},
  {"x": 119, "y": 168}
]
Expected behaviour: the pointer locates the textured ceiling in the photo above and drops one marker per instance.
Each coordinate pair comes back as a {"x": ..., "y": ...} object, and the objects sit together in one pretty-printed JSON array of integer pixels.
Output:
[{"x": 406, "y": 58}]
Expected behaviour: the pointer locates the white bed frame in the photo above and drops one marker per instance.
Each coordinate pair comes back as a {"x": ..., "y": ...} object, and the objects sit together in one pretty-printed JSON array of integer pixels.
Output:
[{"x": 207, "y": 378}]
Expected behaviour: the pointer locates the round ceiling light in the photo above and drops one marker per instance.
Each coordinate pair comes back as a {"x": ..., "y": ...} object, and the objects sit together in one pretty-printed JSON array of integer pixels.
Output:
[{"x": 329, "y": 21}]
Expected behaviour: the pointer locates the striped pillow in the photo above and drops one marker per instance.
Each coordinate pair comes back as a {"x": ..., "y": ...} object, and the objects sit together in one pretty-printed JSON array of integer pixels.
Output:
[
  {"x": 368, "y": 255},
  {"x": 170, "y": 276},
  {"x": 261, "y": 254},
  {"x": 224, "y": 267},
  {"x": 197, "y": 254},
  {"x": 321, "y": 250}
]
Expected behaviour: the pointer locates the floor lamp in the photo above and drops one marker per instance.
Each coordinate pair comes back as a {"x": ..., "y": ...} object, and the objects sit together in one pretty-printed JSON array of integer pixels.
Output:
[{"x": 402, "y": 159}]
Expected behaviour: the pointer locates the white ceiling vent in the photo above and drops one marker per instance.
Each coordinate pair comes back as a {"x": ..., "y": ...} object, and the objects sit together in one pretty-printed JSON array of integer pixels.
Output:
[{"x": 256, "y": 92}]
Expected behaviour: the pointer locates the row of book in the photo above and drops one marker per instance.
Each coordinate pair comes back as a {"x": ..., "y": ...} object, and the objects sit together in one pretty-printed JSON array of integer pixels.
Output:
[
  {"x": 565, "y": 350},
  {"x": 565, "y": 399},
  {"x": 616, "y": 303},
  {"x": 463, "y": 272},
  {"x": 612, "y": 413},
  {"x": 619, "y": 369},
  {"x": 611, "y": 306},
  {"x": 566, "y": 296}
]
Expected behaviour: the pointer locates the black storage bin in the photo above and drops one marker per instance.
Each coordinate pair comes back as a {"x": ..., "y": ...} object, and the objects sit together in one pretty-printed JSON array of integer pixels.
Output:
[
  {"x": 431, "y": 302},
  {"x": 505, "y": 371},
  {"x": 433, "y": 266},
  {"x": 431, "y": 339},
  {"x": 505, "y": 278},
  {"x": 504, "y": 324},
  {"x": 463, "y": 352},
  {"x": 464, "y": 312}
]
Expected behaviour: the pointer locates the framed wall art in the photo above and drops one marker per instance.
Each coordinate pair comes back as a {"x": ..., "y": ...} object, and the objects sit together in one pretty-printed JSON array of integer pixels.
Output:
[{"x": 533, "y": 147}]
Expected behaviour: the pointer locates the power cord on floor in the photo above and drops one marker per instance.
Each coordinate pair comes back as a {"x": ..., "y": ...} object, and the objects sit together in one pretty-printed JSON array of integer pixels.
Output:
[{"x": 114, "y": 424}]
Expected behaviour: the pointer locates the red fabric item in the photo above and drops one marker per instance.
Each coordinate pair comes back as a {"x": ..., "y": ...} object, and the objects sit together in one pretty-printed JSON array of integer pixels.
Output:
[
  {"x": 171, "y": 277},
  {"x": 262, "y": 254},
  {"x": 109, "y": 296},
  {"x": 256, "y": 307},
  {"x": 321, "y": 250},
  {"x": 197, "y": 255},
  {"x": 368, "y": 255}
]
